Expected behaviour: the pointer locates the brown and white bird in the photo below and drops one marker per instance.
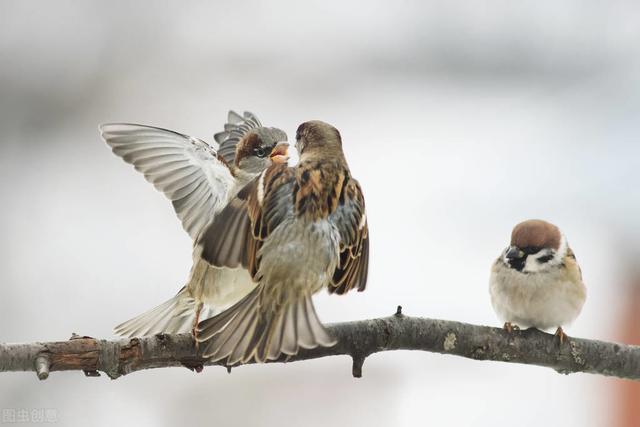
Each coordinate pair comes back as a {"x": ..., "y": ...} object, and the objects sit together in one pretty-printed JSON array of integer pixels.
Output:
[
  {"x": 536, "y": 282},
  {"x": 199, "y": 181},
  {"x": 296, "y": 230}
]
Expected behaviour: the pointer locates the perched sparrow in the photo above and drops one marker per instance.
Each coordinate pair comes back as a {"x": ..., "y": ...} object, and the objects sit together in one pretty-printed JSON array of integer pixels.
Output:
[
  {"x": 199, "y": 182},
  {"x": 536, "y": 282},
  {"x": 296, "y": 230}
]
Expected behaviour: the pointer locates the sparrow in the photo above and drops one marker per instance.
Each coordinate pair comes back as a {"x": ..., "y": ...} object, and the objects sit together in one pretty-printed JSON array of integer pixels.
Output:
[
  {"x": 296, "y": 230},
  {"x": 537, "y": 282},
  {"x": 199, "y": 180}
]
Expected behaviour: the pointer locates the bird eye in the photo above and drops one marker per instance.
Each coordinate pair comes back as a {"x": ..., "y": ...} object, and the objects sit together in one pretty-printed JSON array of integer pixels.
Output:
[
  {"x": 260, "y": 152},
  {"x": 545, "y": 258}
]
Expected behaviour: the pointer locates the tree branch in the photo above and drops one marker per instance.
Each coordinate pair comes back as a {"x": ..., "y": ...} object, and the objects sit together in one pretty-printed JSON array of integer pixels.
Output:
[{"x": 356, "y": 339}]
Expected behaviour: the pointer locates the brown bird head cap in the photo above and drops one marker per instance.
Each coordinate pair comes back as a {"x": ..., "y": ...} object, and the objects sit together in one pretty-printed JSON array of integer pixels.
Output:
[
  {"x": 536, "y": 233},
  {"x": 316, "y": 134}
]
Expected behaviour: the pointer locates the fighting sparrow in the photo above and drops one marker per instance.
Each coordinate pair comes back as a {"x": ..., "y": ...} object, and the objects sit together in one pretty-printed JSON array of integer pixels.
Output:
[
  {"x": 199, "y": 181},
  {"x": 536, "y": 282},
  {"x": 296, "y": 230}
]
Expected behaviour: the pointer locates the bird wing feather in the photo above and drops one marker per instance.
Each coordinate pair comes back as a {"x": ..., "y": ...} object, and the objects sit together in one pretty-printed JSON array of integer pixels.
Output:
[
  {"x": 235, "y": 129},
  {"x": 351, "y": 221},
  {"x": 186, "y": 169},
  {"x": 234, "y": 237}
]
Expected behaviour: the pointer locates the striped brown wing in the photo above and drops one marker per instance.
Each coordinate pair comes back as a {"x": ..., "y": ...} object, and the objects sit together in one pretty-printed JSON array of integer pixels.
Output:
[
  {"x": 351, "y": 220},
  {"x": 234, "y": 237}
]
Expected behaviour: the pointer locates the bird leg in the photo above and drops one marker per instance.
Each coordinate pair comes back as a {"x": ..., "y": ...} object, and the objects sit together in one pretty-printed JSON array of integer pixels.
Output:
[
  {"x": 509, "y": 327},
  {"x": 561, "y": 335},
  {"x": 194, "y": 330}
]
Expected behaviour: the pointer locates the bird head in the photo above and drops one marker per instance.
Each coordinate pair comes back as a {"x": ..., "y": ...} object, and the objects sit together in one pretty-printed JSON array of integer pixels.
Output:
[
  {"x": 260, "y": 148},
  {"x": 316, "y": 137},
  {"x": 536, "y": 246}
]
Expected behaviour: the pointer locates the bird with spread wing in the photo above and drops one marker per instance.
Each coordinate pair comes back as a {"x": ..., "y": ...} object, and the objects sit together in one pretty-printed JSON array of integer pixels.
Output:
[{"x": 199, "y": 180}]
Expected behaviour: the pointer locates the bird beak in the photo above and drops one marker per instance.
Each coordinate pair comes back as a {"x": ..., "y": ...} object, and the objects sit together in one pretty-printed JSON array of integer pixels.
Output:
[
  {"x": 279, "y": 154},
  {"x": 514, "y": 252}
]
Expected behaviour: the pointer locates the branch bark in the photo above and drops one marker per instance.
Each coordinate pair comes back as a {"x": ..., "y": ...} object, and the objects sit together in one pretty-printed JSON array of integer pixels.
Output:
[{"x": 357, "y": 339}]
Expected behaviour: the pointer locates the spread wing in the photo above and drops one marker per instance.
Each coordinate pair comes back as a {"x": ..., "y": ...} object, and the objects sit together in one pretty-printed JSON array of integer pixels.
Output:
[
  {"x": 351, "y": 220},
  {"x": 234, "y": 237},
  {"x": 235, "y": 129},
  {"x": 184, "y": 168}
]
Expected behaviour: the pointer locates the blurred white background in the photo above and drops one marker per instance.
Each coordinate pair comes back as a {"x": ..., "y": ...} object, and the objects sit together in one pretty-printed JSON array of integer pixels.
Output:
[{"x": 459, "y": 119}]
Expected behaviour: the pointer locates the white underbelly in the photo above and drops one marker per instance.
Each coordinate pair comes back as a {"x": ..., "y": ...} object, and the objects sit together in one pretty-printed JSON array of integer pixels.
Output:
[
  {"x": 543, "y": 301},
  {"x": 219, "y": 288}
]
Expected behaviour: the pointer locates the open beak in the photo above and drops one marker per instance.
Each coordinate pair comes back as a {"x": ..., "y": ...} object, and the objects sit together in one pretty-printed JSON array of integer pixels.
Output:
[{"x": 280, "y": 154}]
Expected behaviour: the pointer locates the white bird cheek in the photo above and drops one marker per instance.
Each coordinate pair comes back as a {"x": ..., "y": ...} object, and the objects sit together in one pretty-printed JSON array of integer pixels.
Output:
[
  {"x": 532, "y": 265},
  {"x": 261, "y": 188}
]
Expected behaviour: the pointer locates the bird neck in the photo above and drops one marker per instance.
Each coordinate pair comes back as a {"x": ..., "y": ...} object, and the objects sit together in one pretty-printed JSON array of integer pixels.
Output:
[{"x": 324, "y": 154}]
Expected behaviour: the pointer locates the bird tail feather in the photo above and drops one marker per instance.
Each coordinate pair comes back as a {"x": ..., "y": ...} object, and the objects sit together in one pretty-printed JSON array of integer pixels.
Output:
[
  {"x": 173, "y": 316},
  {"x": 251, "y": 329}
]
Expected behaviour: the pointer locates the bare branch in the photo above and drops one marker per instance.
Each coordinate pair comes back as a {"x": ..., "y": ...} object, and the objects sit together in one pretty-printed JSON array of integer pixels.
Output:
[
  {"x": 42, "y": 366},
  {"x": 355, "y": 339}
]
